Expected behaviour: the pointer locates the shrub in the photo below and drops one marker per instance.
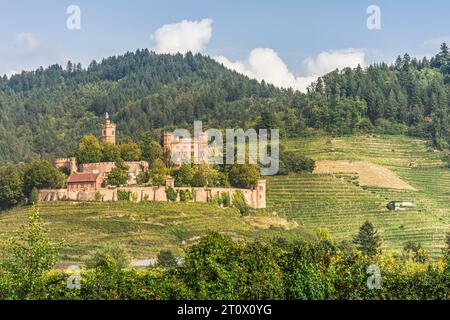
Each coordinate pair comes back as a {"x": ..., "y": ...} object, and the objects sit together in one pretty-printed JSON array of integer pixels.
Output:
[
  {"x": 34, "y": 196},
  {"x": 225, "y": 199},
  {"x": 244, "y": 175},
  {"x": 292, "y": 162},
  {"x": 98, "y": 196},
  {"x": 240, "y": 204},
  {"x": 123, "y": 195},
  {"x": 30, "y": 257},
  {"x": 185, "y": 195},
  {"x": 171, "y": 194},
  {"x": 166, "y": 258}
]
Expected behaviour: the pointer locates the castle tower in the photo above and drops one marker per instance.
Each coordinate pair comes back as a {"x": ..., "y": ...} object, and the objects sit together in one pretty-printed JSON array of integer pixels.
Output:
[
  {"x": 108, "y": 130},
  {"x": 167, "y": 141}
]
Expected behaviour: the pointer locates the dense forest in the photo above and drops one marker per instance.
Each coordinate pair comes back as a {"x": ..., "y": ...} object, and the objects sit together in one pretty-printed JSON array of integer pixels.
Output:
[{"x": 44, "y": 113}]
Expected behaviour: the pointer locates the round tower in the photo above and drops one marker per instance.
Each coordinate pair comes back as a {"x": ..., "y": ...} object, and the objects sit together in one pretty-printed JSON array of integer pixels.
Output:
[{"x": 108, "y": 130}]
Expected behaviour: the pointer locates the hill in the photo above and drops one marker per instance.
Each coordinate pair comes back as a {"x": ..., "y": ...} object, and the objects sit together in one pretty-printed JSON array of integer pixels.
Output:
[
  {"x": 44, "y": 113},
  {"x": 338, "y": 201},
  {"x": 297, "y": 205},
  {"x": 143, "y": 228}
]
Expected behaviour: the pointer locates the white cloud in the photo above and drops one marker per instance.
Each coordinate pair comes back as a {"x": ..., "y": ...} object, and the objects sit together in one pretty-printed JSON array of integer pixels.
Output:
[
  {"x": 183, "y": 36},
  {"x": 328, "y": 61},
  {"x": 26, "y": 43},
  {"x": 265, "y": 64}
]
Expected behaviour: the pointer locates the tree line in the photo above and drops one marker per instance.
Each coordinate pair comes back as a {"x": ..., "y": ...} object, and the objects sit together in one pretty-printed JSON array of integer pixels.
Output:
[{"x": 44, "y": 113}]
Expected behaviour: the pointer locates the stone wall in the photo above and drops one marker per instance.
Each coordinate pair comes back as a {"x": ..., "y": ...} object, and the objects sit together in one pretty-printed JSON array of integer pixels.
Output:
[{"x": 158, "y": 194}]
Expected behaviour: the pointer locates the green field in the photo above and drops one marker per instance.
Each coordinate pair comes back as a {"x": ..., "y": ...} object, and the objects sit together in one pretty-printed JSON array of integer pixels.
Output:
[
  {"x": 307, "y": 201},
  {"x": 337, "y": 203},
  {"x": 144, "y": 228}
]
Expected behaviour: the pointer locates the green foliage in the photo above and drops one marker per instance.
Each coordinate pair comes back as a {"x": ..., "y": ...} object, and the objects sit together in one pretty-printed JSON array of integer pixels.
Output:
[
  {"x": 157, "y": 173},
  {"x": 225, "y": 199},
  {"x": 185, "y": 195},
  {"x": 11, "y": 186},
  {"x": 219, "y": 268},
  {"x": 34, "y": 196},
  {"x": 171, "y": 194},
  {"x": 368, "y": 241},
  {"x": 110, "y": 152},
  {"x": 152, "y": 151},
  {"x": 143, "y": 90},
  {"x": 123, "y": 195},
  {"x": 415, "y": 251},
  {"x": 117, "y": 177},
  {"x": 42, "y": 175},
  {"x": 244, "y": 175},
  {"x": 293, "y": 162},
  {"x": 183, "y": 175},
  {"x": 98, "y": 196},
  {"x": 30, "y": 256},
  {"x": 166, "y": 259},
  {"x": 89, "y": 150},
  {"x": 130, "y": 151},
  {"x": 238, "y": 201},
  {"x": 133, "y": 196},
  {"x": 113, "y": 255}
]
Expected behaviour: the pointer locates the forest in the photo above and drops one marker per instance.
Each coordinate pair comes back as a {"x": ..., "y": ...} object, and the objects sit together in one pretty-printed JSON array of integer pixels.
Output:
[{"x": 46, "y": 112}]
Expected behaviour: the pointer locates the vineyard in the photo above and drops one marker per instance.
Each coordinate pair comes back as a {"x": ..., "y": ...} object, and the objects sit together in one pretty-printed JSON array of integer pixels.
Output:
[
  {"x": 339, "y": 203},
  {"x": 297, "y": 206}
]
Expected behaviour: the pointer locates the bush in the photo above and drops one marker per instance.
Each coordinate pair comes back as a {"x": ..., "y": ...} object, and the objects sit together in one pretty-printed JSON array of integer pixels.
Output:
[
  {"x": 292, "y": 162},
  {"x": 166, "y": 258},
  {"x": 171, "y": 194},
  {"x": 98, "y": 196},
  {"x": 123, "y": 195},
  {"x": 240, "y": 204},
  {"x": 244, "y": 175},
  {"x": 225, "y": 199},
  {"x": 117, "y": 177},
  {"x": 185, "y": 196}
]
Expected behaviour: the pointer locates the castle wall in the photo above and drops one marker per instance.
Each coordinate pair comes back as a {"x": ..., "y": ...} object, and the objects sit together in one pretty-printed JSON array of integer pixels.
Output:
[{"x": 157, "y": 194}]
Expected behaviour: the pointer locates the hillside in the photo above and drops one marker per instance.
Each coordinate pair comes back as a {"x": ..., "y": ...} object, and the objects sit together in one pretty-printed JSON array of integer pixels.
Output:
[
  {"x": 143, "y": 228},
  {"x": 338, "y": 202},
  {"x": 44, "y": 113},
  {"x": 302, "y": 204}
]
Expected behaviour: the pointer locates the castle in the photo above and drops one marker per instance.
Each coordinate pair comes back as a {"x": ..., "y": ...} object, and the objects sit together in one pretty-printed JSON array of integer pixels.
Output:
[
  {"x": 87, "y": 181},
  {"x": 186, "y": 149},
  {"x": 92, "y": 176}
]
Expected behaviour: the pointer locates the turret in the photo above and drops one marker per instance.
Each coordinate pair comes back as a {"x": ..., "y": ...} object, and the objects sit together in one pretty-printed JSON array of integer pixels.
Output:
[{"x": 108, "y": 130}]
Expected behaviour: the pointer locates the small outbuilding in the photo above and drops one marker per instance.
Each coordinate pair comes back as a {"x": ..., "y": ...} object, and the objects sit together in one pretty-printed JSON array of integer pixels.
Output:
[{"x": 400, "y": 205}]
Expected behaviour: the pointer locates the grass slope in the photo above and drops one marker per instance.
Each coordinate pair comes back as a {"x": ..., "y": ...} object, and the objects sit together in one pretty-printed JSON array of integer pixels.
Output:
[
  {"x": 310, "y": 201},
  {"x": 144, "y": 228},
  {"x": 338, "y": 203}
]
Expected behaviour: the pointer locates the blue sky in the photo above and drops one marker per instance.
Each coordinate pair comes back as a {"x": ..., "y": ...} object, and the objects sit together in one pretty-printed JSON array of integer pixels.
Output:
[{"x": 35, "y": 33}]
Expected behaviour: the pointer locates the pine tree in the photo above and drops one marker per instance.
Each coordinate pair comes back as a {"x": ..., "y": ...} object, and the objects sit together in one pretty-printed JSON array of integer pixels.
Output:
[{"x": 368, "y": 241}]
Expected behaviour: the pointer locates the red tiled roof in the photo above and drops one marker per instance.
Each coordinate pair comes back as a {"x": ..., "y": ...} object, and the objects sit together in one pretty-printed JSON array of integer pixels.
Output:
[{"x": 83, "y": 177}]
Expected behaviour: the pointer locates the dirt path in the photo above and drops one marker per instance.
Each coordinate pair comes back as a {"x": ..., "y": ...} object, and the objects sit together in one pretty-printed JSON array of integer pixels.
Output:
[{"x": 370, "y": 174}]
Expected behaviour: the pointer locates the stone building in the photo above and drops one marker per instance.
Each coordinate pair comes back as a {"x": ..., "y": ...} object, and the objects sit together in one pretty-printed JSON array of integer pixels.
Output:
[
  {"x": 102, "y": 169},
  {"x": 186, "y": 149},
  {"x": 108, "y": 131},
  {"x": 84, "y": 182}
]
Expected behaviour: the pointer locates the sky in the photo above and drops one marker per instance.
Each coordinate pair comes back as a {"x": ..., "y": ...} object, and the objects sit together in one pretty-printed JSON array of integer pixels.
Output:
[{"x": 288, "y": 43}]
